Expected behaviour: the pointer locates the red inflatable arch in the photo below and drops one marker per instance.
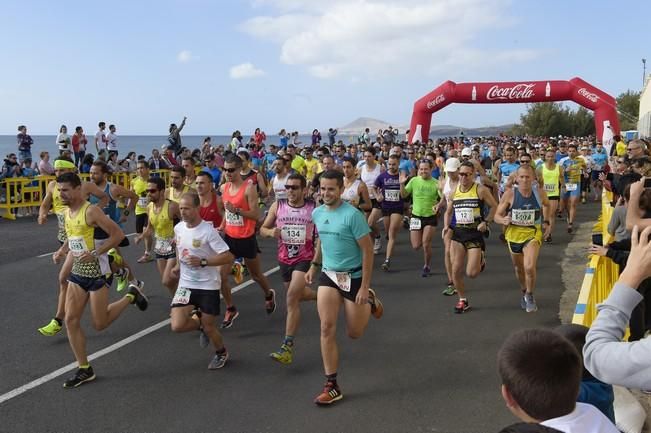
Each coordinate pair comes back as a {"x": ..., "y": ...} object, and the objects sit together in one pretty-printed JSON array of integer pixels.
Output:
[{"x": 577, "y": 90}]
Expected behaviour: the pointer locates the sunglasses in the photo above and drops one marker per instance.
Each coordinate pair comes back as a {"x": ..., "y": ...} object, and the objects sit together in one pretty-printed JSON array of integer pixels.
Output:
[
  {"x": 292, "y": 187},
  {"x": 524, "y": 161},
  {"x": 230, "y": 170},
  {"x": 151, "y": 191},
  {"x": 465, "y": 174}
]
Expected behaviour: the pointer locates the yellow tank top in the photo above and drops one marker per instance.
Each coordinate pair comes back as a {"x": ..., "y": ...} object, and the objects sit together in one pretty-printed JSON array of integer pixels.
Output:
[
  {"x": 171, "y": 194},
  {"x": 57, "y": 204},
  {"x": 161, "y": 221},
  {"x": 81, "y": 238},
  {"x": 551, "y": 179},
  {"x": 467, "y": 207},
  {"x": 139, "y": 186}
]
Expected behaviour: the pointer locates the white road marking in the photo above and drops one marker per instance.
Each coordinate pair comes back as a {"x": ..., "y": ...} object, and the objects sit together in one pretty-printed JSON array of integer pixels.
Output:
[
  {"x": 112, "y": 348},
  {"x": 49, "y": 254}
]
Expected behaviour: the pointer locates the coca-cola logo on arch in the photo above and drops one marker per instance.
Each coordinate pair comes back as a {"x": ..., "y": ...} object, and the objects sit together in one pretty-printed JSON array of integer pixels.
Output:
[
  {"x": 436, "y": 101},
  {"x": 588, "y": 95},
  {"x": 519, "y": 91}
]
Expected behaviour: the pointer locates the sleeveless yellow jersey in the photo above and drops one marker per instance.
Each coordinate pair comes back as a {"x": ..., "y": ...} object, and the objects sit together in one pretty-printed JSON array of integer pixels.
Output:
[
  {"x": 551, "y": 179},
  {"x": 171, "y": 194},
  {"x": 467, "y": 207},
  {"x": 81, "y": 238},
  {"x": 163, "y": 227},
  {"x": 59, "y": 210},
  {"x": 139, "y": 186}
]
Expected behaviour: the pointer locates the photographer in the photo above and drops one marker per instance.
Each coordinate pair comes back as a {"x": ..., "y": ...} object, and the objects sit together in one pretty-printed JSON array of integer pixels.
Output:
[
  {"x": 25, "y": 142},
  {"x": 10, "y": 168}
]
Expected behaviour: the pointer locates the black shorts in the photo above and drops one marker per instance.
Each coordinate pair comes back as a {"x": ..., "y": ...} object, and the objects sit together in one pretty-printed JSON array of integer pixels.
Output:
[
  {"x": 595, "y": 174},
  {"x": 469, "y": 238},
  {"x": 169, "y": 256},
  {"x": 246, "y": 248},
  {"x": 205, "y": 300},
  {"x": 375, "y": 204},
  {"x": 425, "y": 221},
  {"x": 387, "y": 212},
  {"x": 553, "y": 197},
  {"x": 141, "y": 222},
  {"x": 355, "y": 284},
  {"x": 286, "y": 270},
  {"x": 88, "y": 284}
]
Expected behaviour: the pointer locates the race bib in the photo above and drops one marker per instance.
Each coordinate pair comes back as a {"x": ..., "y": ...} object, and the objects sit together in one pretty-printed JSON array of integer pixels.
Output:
[
  {"x": 77, "y": 245},
  {"x": 414, "y": 224},
  {"x": 233, "y": 219},
  {"x": 341, "y": 279},
  {"x": 523, "y": 217},
  {"x": 181, "y": 296},
  {"x": 464, "y": 215},
  {"x": 142, "y": 201},
  {"x": 293, "y": 234},
  {"x": 550, "y": 187},
  {"x": 392, "y": 195},
  {"x": 571, "y": 186},
  {"x": 163, "y": 246},
  {"x": 489, "y": 172}
]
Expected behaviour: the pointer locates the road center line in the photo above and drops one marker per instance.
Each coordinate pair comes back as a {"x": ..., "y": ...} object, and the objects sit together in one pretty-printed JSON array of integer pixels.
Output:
[{"x": 112, "y": 348}]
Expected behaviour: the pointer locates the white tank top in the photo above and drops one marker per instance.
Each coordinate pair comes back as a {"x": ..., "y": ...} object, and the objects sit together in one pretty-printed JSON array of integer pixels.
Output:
[
  {"x": 446, "y": 188},
  {"x": 278, "y": 185},
  {"x": 352, "y": 192},
  {"x": 368, "y": 177}
]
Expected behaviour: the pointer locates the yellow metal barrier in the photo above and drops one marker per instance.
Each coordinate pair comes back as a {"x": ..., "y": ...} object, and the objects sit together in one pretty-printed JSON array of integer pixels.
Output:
[
  {"x": 28, "y": 192},
  {"x": 601, "y": 273}
]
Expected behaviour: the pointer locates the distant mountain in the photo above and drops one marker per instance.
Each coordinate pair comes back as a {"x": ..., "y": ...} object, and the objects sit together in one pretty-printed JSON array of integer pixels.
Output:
[{"x": 357, "y": 126}]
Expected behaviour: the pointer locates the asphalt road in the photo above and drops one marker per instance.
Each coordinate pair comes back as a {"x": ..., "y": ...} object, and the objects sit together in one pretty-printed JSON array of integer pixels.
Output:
[{"x": 421, "y": 368}]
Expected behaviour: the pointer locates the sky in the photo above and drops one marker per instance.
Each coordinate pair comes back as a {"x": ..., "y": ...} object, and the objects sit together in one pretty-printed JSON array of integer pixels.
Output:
[{"x": 296, "y": 64}]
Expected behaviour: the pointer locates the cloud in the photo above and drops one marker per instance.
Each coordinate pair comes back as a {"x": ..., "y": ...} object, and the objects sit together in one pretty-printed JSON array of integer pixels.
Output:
[
  {"x": 341, "y": 38},
  {"x": 185, "y": 56},
  {"x": 245, "y": 70}
]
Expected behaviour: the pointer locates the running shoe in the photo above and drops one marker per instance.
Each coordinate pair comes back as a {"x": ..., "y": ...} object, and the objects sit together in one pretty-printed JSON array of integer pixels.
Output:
[
  {"x": 405, "y": 222},
  {"x": 122, "y": 279},
  {"x": 204, "y": 341},
  {"x": 51, "y": 329},
  {"x": 285, "y": 355},
  {"x": 146, "y": 257},
  {"x": 377, "y": 309},
  {"x": 570, "y": 228},
  {"x": 385, "y": 266},
  {"x": 329, "y": 395},
  {"x": 229, "y": 317},
  {"x": 82, "y": 375},
  {"x": 582, "y": 200},
  {"x": 449, "y": 290},
  {"x": 523, "y": 302},
  {"x": 117, "y": 258},
  {"x": 218, "y": 361},
  {"x": 238, "y": 272},
  {"x": 530, "y": 303},
  {"x": 548, "y": 240},
  {"x": 462, "y": 306},
  {"x": 137, "y": 297},
  {"x": 270, "y": 302},
  {"x": 426, "y": 271},
  {"x": 377, "y": 245}
]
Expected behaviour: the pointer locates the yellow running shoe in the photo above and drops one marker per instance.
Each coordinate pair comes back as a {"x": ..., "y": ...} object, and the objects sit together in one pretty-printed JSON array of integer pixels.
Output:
[
  {"x": 284, "y": 355},
  {"x": 51, "y": 329},
  {"x": 117, "y": 258},
  {"x": 238, "y": 272}
]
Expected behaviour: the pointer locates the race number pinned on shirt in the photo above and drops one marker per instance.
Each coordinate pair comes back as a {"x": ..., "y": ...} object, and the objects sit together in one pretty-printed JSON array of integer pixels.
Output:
[
  {"x": 293, "y": 234},
  {"x": 571, "y": 186},
  {"x": 523, "y": 217},
  {"x": 341, "y": 279},
  {"x": 233, "y": 219},
  {"x": 77, "y": 245},
  {"x": 142, "y": 201},
  {"x": 464, "y": 215},
  {"x": 163, "y": 246},
  {"x": 181, "y": 296},
  {"x": 392, "y": 195},
  {"x": 550, "y": 187},
  {"x": 414, "y": 224}
]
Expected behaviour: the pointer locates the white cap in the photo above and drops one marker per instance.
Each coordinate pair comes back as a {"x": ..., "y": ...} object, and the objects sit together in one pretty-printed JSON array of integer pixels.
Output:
[
  {"x": 452, "y": 164},
  {"x": 466, "y": 152}
]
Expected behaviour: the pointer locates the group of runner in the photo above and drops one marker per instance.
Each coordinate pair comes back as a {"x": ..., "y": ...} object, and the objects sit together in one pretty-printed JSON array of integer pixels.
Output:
[{"x": 326, "y": 222}]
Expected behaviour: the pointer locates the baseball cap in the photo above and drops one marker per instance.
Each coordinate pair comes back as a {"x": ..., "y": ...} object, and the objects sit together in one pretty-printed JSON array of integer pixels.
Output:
[
  {"x": 452, "y": 164},
  {"x": 466, "y": 152}
]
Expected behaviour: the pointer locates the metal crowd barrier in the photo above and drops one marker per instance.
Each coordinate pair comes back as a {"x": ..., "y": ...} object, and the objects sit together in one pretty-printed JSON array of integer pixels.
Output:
[
  {"x": 28, "y": 192},
  {"x": 601, "y": 272}
]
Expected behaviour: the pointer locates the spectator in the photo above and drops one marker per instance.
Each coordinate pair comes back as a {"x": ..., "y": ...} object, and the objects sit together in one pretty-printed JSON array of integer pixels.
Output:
[
  {"x": 44, "y": 166},
  {"x": 541, "y": 374},
  {"x": 112, "y": 140},
  {"x": 24, "y": 143},
  {"x": 100, "y": 138},
  {"x": 617, "y": 223},
  {"x": 259, "y": 137},
  {"x": 169, "y": 159},
  {"x": 63, "y": 140},
  {"x": 206, "y": 148},
  {"x": 316, "y": 138},
  {"x": 132, "y": 162},
  {"x": 11, "y": 167},
  {"x": 86, "y": 163},
  {"x": 332, "y": 134},
  {"x": 236, "y": 141},
  {"x": 284, "y": 139},
  {"x": 27, "y": 168},
  {"x": 174, "y": 139},
  {"x": 620, "y": 147},
  {"x": 113, "y": 163},
  {"x": 155, "y": 162},
  {"x": 607, "y": 357},
  {"x": 79, "y": 142}
]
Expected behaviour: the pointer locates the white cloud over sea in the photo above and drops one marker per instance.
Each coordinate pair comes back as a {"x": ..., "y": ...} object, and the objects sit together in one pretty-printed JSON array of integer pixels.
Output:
[
  {"x": 245, "y": 70},
  {"x": 340, "y": 38}
]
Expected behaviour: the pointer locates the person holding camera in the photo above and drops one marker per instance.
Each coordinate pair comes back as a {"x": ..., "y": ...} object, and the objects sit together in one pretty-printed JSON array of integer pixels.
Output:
[{"x": 25, "y": 142}]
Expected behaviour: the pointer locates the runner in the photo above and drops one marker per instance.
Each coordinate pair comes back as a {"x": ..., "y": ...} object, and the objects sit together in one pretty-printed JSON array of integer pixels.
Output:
[
  {"x": 241, "y": 203},
  {"x": 355, "y": 191},
  {"x": 446, "y": 190},
  {"x": 505, "y": 166},
  {"x": 189, "y": 176},
  {"x": 282, "y": 171},
  {"x": 290, "y": 221},
  {"x": 199, "y": 251},
  {"x": 387, "y": 193},
  {"x": 520, "y": 211},
  {"x": 345, "y": 279},
  {"x": 52, "y": 200},
  {"x": 369, "y": 172},
  {"x": 573, "y": 168},
  {"x": 161, "y": 214},
  {"x": 550, "y": 175},
  {"x": 422, "y": 225},
  {"x": 139, "y": 186},
  {"x": 177, "y": 186},
  {"x": 600, "y": 161},
  {"x": 211, "y": 206},
  {"x": 87, "y": 279},
  {"x": 468, "y": 228}
]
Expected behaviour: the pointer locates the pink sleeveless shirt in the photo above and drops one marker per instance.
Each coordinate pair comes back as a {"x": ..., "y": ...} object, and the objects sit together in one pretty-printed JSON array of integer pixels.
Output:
[{"x": 296, "y": 243}]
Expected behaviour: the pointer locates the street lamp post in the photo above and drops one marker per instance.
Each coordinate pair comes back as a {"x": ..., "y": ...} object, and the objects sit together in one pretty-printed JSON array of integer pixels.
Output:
[{"x": 643, "y": 72}]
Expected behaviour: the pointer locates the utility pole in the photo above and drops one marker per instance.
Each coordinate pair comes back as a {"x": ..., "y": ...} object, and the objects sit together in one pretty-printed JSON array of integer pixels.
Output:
[{"x": 643, "y": 72}]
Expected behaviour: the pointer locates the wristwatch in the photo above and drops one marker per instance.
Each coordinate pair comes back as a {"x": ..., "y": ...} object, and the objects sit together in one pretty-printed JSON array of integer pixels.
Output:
[
  {"x": 203, "y": 263},
  {"x": 126, "y": 212},
  {"x": 94, "y": 253}
]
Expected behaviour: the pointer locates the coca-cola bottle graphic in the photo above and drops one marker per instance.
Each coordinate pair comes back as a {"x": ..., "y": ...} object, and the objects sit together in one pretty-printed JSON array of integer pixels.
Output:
[
  {"x": 473, "y": 95},
  {"x": 417, "y": 135},
  {"x": 548, "y": 90}
]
